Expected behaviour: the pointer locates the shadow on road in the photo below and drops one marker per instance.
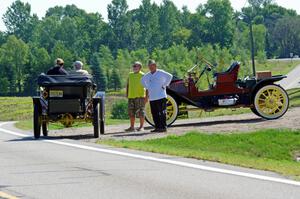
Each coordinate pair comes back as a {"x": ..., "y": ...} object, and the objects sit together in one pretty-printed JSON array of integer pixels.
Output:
[
  {"x": 119, "y": 133},
  {"x": 211, "y": 123}
]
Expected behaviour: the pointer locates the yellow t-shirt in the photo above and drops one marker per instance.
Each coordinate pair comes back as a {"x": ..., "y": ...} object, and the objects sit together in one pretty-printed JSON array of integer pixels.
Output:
[{"x": 135, "y": 87}]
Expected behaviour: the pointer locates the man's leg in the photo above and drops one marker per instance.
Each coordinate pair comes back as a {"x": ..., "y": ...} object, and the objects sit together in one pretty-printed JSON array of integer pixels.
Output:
[
  {"x": 155, "y": 113},
  {"x": 162, "y": 114},
  {"x": 131, "y": 115},
  {"x": 141, "y": 112},
  {"x": 132, "y": 121}
]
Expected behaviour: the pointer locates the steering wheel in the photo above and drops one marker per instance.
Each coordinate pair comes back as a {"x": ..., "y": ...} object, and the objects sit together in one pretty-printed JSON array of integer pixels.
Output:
[{"x": 192, "y": 72}]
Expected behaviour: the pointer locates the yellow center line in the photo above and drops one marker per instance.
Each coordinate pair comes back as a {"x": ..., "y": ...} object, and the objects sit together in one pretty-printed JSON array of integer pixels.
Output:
[{"x": 7, "y": 196}]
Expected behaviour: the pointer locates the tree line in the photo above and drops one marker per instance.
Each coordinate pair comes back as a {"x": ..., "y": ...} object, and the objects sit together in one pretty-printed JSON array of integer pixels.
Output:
[{"x": 175, "y": 37}]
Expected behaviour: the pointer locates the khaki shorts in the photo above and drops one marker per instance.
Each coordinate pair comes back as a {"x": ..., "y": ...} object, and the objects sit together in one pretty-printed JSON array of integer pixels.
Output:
[{"x": 136, "y": 107}]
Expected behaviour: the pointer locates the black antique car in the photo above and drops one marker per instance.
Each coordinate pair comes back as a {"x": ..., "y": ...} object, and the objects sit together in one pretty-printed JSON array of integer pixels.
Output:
[{"x": 67, "y": 99}]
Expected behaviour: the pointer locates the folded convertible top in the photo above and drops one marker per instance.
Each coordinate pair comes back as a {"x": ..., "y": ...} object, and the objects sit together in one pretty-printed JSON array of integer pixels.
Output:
[{"x": 65, "y": 80}]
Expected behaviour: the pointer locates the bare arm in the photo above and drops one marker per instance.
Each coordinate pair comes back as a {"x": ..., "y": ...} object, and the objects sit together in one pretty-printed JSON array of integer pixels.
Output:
[
  {"x": 147, "y": 96},
  {"x": 127, "y": 87}
]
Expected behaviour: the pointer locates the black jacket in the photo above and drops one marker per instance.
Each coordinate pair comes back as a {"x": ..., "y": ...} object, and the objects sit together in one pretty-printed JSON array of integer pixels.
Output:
[{"x": 57, "y": 70}]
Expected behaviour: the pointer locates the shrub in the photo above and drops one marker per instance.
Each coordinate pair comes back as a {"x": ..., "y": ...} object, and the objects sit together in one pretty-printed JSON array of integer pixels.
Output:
[{"x": 119, "y": 110}]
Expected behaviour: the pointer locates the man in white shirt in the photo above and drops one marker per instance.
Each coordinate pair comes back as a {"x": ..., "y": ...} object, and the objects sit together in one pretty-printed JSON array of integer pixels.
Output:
[
  {"x": 78, "y": 68},
  {"x": 156, "y": 82}
]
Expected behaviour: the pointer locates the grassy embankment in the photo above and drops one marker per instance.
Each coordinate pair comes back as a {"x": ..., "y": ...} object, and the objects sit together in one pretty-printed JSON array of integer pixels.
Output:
[{"x": 272, "y": 150}]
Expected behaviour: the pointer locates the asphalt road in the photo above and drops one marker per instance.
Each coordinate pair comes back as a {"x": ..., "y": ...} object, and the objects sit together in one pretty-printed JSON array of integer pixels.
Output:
[
  {"x": 292, "y": 80},
  {"x": 64, "y": 168}
]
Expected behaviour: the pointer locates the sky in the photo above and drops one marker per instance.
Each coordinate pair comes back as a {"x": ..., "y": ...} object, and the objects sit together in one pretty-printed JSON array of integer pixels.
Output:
[{"x": 40, "y": 7}]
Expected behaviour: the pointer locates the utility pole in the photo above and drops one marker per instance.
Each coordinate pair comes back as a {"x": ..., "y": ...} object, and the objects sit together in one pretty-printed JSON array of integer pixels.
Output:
[{"x": 252, "y": 47}]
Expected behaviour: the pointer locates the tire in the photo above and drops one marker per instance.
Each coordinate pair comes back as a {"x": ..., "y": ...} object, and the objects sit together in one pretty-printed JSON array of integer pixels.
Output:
[
  {"x": 96, "y": 121},
  {"x": 255, "y": 112},
  {"x": 271, "y": 102},
  {"x": 45, "y": 129},
  {"x": 36, "y": 121},
  {"x": 172, "y": 111}
]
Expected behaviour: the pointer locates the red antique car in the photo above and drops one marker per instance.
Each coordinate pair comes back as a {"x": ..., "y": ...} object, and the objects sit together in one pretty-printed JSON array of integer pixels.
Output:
[{"x": 265, "y": 98}]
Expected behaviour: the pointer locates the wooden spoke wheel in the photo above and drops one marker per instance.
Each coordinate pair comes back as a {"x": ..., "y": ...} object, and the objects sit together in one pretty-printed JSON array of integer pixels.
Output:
[
  {"x": 172, "y": 111},
  {"x": 271, "y": 102}
]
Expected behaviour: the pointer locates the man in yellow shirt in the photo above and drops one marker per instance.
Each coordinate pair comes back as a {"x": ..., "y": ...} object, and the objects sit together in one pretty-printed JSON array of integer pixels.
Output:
[{"x": 136, "y": 95}]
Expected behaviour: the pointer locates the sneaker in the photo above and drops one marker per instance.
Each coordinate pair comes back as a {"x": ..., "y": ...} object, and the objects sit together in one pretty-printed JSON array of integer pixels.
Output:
[
  {"x": 140, "y": 129},
  {"x": 130, "y": 129}
]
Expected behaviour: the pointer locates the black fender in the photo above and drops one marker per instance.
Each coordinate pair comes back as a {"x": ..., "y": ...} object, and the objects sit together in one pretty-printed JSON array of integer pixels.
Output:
[
  {"x": 265, "y": 82},
  {"x": 180, "y": 98}
]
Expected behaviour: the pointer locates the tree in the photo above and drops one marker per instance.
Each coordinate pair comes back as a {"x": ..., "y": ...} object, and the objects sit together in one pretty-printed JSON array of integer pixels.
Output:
[
  {"x": 148, "y": 19},
  {"x": 46, "y": 33},
  {"x": 119, "y": 24},
  {"x": 105, "y": 56},
  {"x": 60, "y": 51},
  {"x": 39, "y": 62},
  {"x": 286, "y": 36},
  {"x": 258, "y": 3},
  {"x": 169, "y": 22},
  {"x": 97, "y": 72},
  {"x": 14, "y": 55},
  {"x": 17, "y": 18},
  {"x": 4, "y": 83},
  {"x": 2, "y": 38},
  {"x": 115, "y": 80},
  {"x": 198, "y": 31},
  {"x": 220, "y": 22}
]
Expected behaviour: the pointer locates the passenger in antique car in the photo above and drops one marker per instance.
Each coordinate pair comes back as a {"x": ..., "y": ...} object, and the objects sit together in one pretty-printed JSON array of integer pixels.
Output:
[
  {"x": 78, "y": 69},
  {"x": 58, "y": 69}
]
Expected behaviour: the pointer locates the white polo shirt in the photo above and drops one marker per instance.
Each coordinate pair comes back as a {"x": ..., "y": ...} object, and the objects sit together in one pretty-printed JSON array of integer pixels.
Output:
[{"x": 156, "y": 84}]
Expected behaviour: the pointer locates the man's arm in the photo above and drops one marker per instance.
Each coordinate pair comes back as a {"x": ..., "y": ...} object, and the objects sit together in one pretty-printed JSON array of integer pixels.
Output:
[
  {"x": 147, "y": 96},
  {"x": 63, "y": 71},
  {"x": 168, "y": 78},
  {"x": 144, "y": 81},
  {"x": 127, "y": 87}
]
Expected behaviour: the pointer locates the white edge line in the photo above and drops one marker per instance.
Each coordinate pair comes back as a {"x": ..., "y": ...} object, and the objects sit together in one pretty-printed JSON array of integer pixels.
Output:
[{"x": 167, "y": 161}]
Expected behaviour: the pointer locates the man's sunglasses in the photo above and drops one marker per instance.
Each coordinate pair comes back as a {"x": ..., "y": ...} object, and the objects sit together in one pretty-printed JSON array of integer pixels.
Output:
[{"x": 135, "y": 66}]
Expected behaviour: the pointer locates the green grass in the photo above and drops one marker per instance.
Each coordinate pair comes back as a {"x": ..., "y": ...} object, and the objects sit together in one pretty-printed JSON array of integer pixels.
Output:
[
  {"x": 271, "y": 150},
  {"x": 294, "y": 95},
  {"x": 15, "y": 108},
  {"x": 277, "y": 67}
]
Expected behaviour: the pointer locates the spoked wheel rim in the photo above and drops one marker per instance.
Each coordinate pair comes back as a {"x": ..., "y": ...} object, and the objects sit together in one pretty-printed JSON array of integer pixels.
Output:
[
  {"x": 172, "y": 111},
  {"x": 271, "y": 102}
]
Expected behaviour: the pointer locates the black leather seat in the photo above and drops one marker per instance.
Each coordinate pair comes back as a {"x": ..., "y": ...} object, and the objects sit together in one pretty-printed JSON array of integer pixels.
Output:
[{"x": 230, "y": 69}]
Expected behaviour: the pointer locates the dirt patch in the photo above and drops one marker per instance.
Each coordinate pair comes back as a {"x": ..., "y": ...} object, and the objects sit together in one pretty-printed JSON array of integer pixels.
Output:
[{"x": 223, "y": 124}]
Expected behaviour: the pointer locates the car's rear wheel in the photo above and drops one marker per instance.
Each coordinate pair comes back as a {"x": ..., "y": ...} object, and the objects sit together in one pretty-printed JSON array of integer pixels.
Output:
[
  {"x": 96, "y": 121},
  {"x": 271, "y": 102},
  {"x": 45, "y": 128},
  {"x": 37, "y": 121},
  {"x": 172, "y": 111}
]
